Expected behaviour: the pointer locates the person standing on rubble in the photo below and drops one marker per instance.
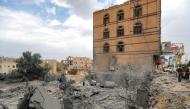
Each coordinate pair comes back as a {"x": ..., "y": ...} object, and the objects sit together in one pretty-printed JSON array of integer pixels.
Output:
[
  {"x": 180, "y": 73},
  {"x": 59, "y": 79}
]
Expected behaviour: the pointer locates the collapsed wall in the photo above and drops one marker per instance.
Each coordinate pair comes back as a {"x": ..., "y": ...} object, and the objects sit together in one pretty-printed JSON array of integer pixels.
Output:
[
  {"x": 133, "y": 72},
  {"x": 109, "y": 67}
]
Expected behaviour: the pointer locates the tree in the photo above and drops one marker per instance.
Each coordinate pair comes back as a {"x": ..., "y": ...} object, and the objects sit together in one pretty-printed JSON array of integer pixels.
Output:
[
  {"x": 59, "y": 67},
  {"x": 73, "y": 71},
  {"x": 28, "y": 62},
  {"x": 30, "y": 65},
  {"x": 188, "y": 64}
]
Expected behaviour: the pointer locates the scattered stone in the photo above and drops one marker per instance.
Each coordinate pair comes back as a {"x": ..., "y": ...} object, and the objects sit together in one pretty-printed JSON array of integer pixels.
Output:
[
  {"x": 110, "y": 84},
  {"x": 1, "y": 91},
  {"x": 2, "y": 106},
  {"x": 188, "y": 106},
  {"x": 167, "y": 82}
]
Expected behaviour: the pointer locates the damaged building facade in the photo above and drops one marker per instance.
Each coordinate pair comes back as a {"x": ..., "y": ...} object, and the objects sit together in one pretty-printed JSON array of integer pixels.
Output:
[
  {"x": 7, "y": 64},
  {"x": 52, "y": 63},
  {"x": 82, "y": 64},
  {"x": 127, "y": 35}
]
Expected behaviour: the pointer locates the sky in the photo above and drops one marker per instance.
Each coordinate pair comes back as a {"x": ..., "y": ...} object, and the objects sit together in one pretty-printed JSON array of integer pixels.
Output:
[{"x": 60, "y": 28}]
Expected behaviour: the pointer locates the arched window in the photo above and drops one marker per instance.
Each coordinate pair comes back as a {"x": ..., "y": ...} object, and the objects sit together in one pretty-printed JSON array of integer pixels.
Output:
[
  {"x": 106, "y": 33},
  {"x": 106, "y": 19},
  {"x": 120, "y": 31},
  {"x": 106, "y": 48},
  {"x": 137, "y": 11},
  {"x": 120, "y": 47},
  {"x": 120, "y": 15},
  {"x": 138, "y": 28},
  {"x": 13, "y": 66}
]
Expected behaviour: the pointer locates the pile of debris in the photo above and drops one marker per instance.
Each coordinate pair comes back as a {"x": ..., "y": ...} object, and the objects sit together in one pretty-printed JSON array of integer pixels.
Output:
[
  {"x": 92, "y": 95},
  {"x": 167, "y": 93},
  {"x": 38, "y": 98},
  {"x": 161, "y": 89},
  {"x": 87, "y": 94}
]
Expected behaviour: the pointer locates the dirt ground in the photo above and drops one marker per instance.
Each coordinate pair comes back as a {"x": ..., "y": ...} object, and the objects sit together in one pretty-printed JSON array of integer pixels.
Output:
[
  {"x": 168, "y": 93},
  {"x": 78, "y": 77}
]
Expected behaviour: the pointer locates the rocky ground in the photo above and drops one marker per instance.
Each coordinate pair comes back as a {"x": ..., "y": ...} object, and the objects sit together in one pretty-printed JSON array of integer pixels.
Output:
[
  {"x": 10, "y": 94},
  {"x": 95, "y": 97},
  {"x": 167, "y": 93}
]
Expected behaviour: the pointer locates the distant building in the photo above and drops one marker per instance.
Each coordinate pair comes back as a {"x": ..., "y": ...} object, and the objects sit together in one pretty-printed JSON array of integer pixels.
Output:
[
  {"x": 7, "y": 64},
  {"x": 52, "y": 63},
  {"x": 68, "y": 62},
  {"x": 82, "y": 64},
  {"x": 172, "y": 60}
]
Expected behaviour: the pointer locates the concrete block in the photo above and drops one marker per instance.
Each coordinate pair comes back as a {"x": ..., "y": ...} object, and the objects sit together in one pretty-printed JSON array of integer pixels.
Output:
[{"x": 110, "y": 84}]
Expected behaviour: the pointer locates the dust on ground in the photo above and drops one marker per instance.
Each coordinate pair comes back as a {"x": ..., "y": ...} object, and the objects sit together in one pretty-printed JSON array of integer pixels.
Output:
[{"x": 167, "y": 93}]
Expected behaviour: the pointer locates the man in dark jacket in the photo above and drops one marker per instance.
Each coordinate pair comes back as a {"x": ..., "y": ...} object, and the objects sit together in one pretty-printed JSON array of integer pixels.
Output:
[{"x": 180, "y": 73}]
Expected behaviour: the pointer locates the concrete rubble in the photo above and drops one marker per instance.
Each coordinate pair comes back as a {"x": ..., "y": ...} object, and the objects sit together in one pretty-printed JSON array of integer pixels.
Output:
[
  {"x": 159, "y": 91},
  {"x": 94, "y": 97},
  {"x": 40, "y": 99},
  {"x": 2, "y": 106},
  {"x": 12, "y": 94},
  {"x": 167, "y": 93}
]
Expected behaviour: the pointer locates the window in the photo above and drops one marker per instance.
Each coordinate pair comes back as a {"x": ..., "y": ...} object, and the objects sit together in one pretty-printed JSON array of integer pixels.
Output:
[
  {"x": 106, "y": 33},
  {"x": 120, "y": 15},
  {"x": 120, "y": 31},
  {"x": 120, "y": 47},
  {"x": 106, "y": 48},
  {"x": 106, "y": 19},
  {"x": 138, "y": 28},
  {"x": 13, "y": 66},
  {"x": 8, "y": 65},
  {"x": 137, "y": 11}
]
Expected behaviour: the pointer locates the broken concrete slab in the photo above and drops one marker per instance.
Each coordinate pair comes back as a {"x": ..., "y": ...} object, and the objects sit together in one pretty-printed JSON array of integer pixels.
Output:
[
  {"x": 110, "y": 84},
  {"x": 38, "y": 98},
  {"x": 142, "y": 98},
  {"x": 24, "y": 103},
  {"x": 43, "y": 100}
]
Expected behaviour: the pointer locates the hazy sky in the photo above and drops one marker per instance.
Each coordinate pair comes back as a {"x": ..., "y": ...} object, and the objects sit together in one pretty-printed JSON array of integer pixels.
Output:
[{"x": 59, "y": 28}]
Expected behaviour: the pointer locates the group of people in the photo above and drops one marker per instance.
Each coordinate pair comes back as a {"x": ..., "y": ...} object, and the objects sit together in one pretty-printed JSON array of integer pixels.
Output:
[{"x": 183, "y": 72}]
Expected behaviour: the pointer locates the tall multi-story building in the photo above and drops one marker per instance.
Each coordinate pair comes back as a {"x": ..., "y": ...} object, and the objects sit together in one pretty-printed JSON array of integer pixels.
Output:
[
  {"x": 127, "y": 34},
  {"x": 7, "y": 64}
]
